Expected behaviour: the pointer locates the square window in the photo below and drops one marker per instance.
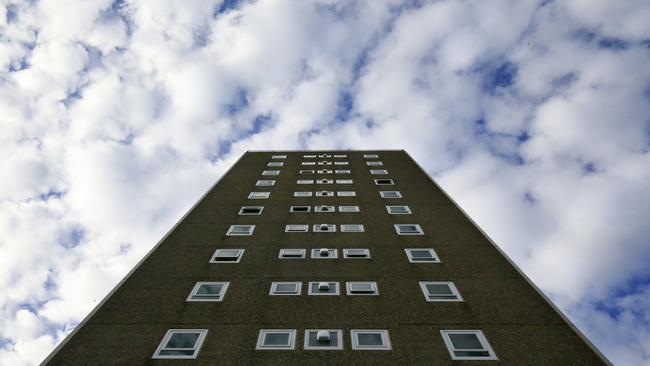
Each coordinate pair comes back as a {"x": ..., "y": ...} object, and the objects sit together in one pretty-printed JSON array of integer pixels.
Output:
[
  {"x": 265, "y": 183},
  {"x": 374, "y": 163},
  {"x": 324, "y": 194},
  {"x": 341, "y": 163},
  {"x": 324, "y": 228},
  {"x": 398, "y": 210},
  {"x": 305, "y": 163},
  {"x": 324, "y": 163},
  {"x": 251, "y": 210},
  {"x": 348, "y": 208},
  {"x": 352, "y": 228},
  {"x": 354, "y": 253},
  {"x": 276, "y": 339},
  {"x": 305, "y": 181},
  {"x": 324, "y": 253},
  {"x": 422, "y": 255},
  {"x": 342, "y": 171},
  {"x": 307, "y": 171},
  {"x": 324, "y": 209},
  {"x": 208, "y": 291},
  {"x": 324, "y": 171},
  {"x": 227, "y": 256},
  {"x": 286, "y": 288},
  {"x": 271, "y": 172},
  {"x": 296, "y": 228},
  {"x": 324, "y": 288},
  {"x": 344, "y": 181},
  {"x": 300, "y": 209},
  {"x": 346, "y": 193},
  {"x": 323, "y": 339},
  {"x": 324, "y": 181},
  {"x": 309, "y": 156},
  {"x": 370, "y": 156},
  {"x": 370, "y": 340},
  {"x": 378, "y": 171},
  {"x": 362, "y": 288},
  {"x": 245, "y": 230},
  {"x": 384, "y": 182},
  {"x": 292, "y": 254},
  {"x": 278, "y": 157},
  {"x": 302, "y": 194},
  {"x": 340, "y": 156},
  {"x": 275, "y": 163},
  {"x": 440, "y": 291},
  {"x": 259, "y": 195},
  {"x": 467, "y": 345},
  {"x": 181, "y": 343},
  {"x": 408, "y": 229},
  {"x": 390, "y": 194}
]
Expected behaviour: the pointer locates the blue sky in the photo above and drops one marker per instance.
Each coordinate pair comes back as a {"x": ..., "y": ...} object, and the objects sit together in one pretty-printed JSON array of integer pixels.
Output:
[{"x": 533, "y": 115}]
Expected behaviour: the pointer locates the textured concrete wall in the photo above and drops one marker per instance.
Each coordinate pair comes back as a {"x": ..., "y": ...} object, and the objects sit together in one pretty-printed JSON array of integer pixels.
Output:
[{"x": 520, "y": 326}]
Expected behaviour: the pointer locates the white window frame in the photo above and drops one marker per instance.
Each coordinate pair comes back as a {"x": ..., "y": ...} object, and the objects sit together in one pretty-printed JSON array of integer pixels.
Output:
[
  {"x": 451, "y": 285},
  {"x": 275, "y": 163},
  {"x": 324, "y": 171},
  {"x": 198, "y": 285},
  {"x": 390, "y": 210},
  {"x": 282, "y": 255},
  {"x": 273, "y": 290},
  {"x": 399, "y": 231},
  {"x": 307, "y": 171},
  {"x": 242, "y": 213},
  {"x": 339, "y": 156},
  {"x": 339, "y": 340},
  {"x": 374, "y": 163},
  {"x": 265, "y": 183},
  {"x": 384, "y": 336},
  {"x": 344, "y": 181},
  {"x": 318, "y": 228},
  {"x": 324, "y": 163},
  {"x": 271, "y": 172},
  {"x": 346, "y": 253},
  {"x": 373, "y": 285},
  {"x": 232, "y": 228},
  {"x": 324, "y": 181},
  {"x": 307, "y": 163},
  {"x": 412, "y": 259},
  {"x": 278, "y": 157},
  {"x": 320, "y": 208},
  {"x": 378, "y": 172},
  {"x": 305, "y": 181},
  {"x": 337, "y": 289},
  {"x": 259, "y": 195},
  {"x": 315, "y": 253},
  {"x": 218, "y": 251},
  {"x": 377, "y": 182},
  {"x": 341, "y": 163},
  {"x": 262, "y": 335},
  {"x": 352, "y": 228},
  {"x": 324, "y": 156},
  {"x": 296, "y": 228},
  {"x": 302, "y": 194},
  {"x": 370, "y": 156},
  {"x": 324, "y": 194},
  {"x": 385, "y": 194},
  {"x": 166, "y": 338},
  {"x": 342, "y": 171},
  {"x": 291, "y": 209},
  {"x": 346, "y": 194},
  {"x": 309, "y": 156},
  {"x": 349, "y": 209},
  {"x": 481, "y": 338}
]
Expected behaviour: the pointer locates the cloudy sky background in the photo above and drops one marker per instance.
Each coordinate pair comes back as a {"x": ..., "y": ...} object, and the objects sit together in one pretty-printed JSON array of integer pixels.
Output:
[{"x": 115, "y": 117}]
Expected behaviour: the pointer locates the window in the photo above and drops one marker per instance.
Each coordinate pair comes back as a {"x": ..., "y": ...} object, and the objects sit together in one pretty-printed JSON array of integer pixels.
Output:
[
  {"x": 302, "y": 194},
  {"x": 346, "y": 193},
  {"x": 362, "y": 288},
  {"x": 271, "y": 172},
  {"x": 348, "y": 208},
  {"x": 324, "y": 288},
  {"x": 306, "y": 171},
  {"x": 440, "y": 291},
  {"x": 251, "y": 210},
  {"x": 259, "y": 195},
  {"x": 344, "y": 181},
  {"x": 342, "y": 171},
  {"x": 324, "y": 209},
  {"x": 305, "y": 181},
  {"x": 278, "y": 157},
  {"x": 384, "y": 182},
  {"x": 467, "y": 345},
  {"x": 324, "y": 171},
  {"x": 378, "y": 171},
  {"x": 398, "y": 210},
  {"x": 296, "y": 228},
  {"x": 245, "y": 230},
  {"x": 341, "y": 163},
  {"x": 324, "y": 156},
  {"x": 370, "y": 339},
  {"x": 286, "y": 288},
  {"x": 324, "y": 228},
  {"x": 181, "y": 343},
  {"x": 275, "y": 163},
  {"x": 352, "y": 228},
  {"x": 408, "y": 229},
  {"x": 292, "y": 254},
  {"x": 227, "y": 256},
  {"x": 370, "y": 156},
  {"x": 325, "y": 194},
  {"x": 390, "y": 194},
  {"x": 360, "y": 253},
  {"x": 276, "y": 339},
  {"x": 300, "y": 209},
  {"x": 324, "y": 253},
  {"x": 422, "y": 255},
  {"x": 340, "y": 156},
  {"x": 308, "y": 163},
  {"x": 265, "y": 182},
  {"x": 324, "y": 163},
  {"x": 309, "y": 156},
  {"x": 324, "y": 181},
  {"x": 374, "y": 163},
  {"x": 208, "y": 291},
  {"x": 323, "y": 339}
]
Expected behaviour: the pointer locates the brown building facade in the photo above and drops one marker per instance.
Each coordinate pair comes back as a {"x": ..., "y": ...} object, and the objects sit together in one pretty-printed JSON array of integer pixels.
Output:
[{"x": 329, "y": 257}]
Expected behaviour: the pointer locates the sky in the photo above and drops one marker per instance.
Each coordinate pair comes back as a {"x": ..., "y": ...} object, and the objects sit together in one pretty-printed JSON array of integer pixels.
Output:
[{"x": 116, "y": 116}]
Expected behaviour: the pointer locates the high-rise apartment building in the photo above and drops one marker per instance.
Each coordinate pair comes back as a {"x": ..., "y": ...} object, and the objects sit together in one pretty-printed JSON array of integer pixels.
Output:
[{"x": 314, "y": 258}]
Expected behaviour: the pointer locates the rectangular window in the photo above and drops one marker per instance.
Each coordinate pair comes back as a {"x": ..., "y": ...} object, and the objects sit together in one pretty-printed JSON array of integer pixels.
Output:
[
  {"x": 346, "y": 193},
  {"x": 306, "y": 163},
  {"x": 390, "y": 194},
  {"x": 370, "y": 339},
  {"x": 324, "y": 171},
  {"x": 378, "y": 171},
  {"x": 324, "y": 253},
  {"x": 344, "y": 181},
  {"x": 324, "y": 181},
  {"x": 271, "y": 172},
  {"x": 384, "y": 182},
  {"x": 340, "y": 156},
  {"x": 307, "y": 171},
  {"x": 467, "y": 345},
  {"x": 422, "y": 255},
  {"x": 251, "y": 210},
  {"x": 323, "y": 339},
  {"x": 300, "y": 209},
  {"x": 349, "y": 209},
  {"x": 291, "y": 254},
  {"x": 324, "y": 228},
  {"x": 398, "y": 210},
  {"x": 354, "y": 253},
  {"x": 341, "y": 163},
  {"x": 342, "y": 171},
  {"x": 276, "y": 339},
  {"x": 275, "y": 163},
  {"x": 309, "y": 156},
  {"x": 324, "y": 163},
  {"x": 305, "y": 181},
  {"x": 370, "y": 156},
  {"x": 265, "y": 183},
  {"x": 324, "y": 209},
  {"x": 243, "y": 230},
  {"x": 296, "y": 228},
  {"x": 374, "y": 163},
  {"x": 208, "y": 291},
  {"x": 286, "y": 288},
  {"x": 362, "y": 288},
  {"x": 181, "y": 343},
  {"x": 322, "y": 156},
  {"x": 352, "y": 228},
  {"x": 324, "y": 288},
  {"x": 259, "y": 195},
  {"x": 302, "y": 194},
  {"x": 440, "y": 291},
  {"x": 324, "y": 194},
  {"x": 408, "y": 229},
  {"x": 279, "y": 157},
  {"x": 227, "y": 256}
]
